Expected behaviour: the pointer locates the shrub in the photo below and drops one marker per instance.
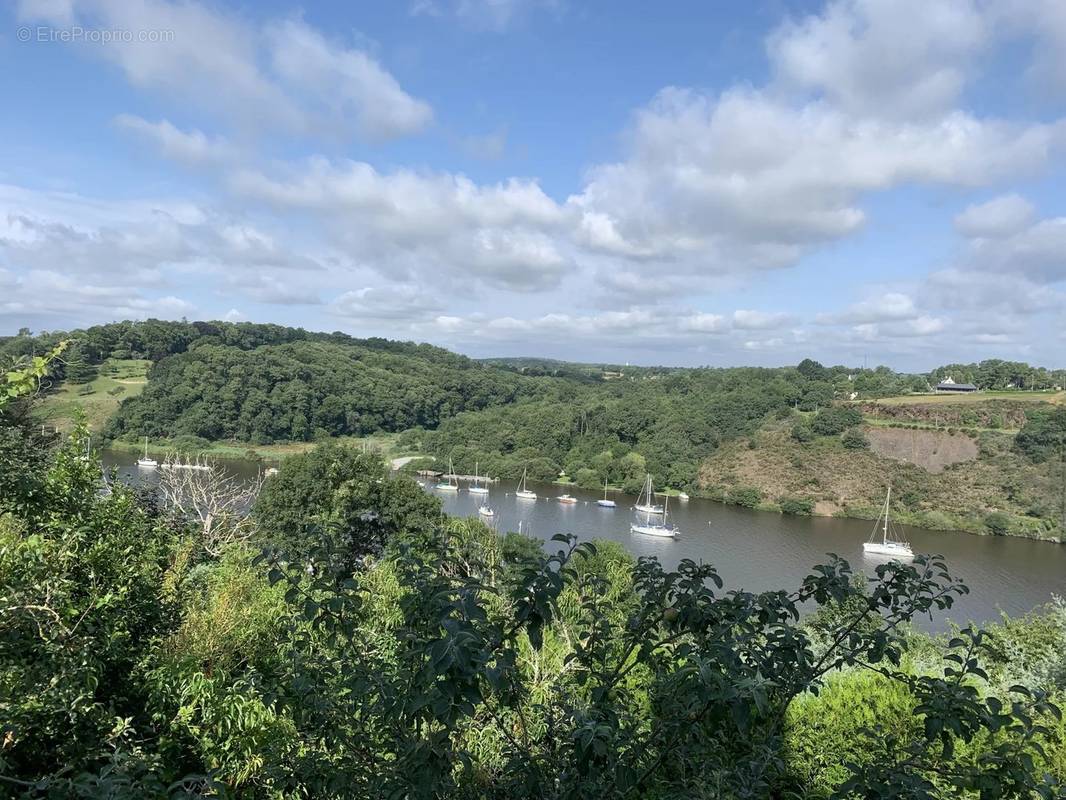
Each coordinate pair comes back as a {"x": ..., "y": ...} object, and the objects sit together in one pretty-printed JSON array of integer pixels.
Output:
[
  {"x": 998, "y": 523},
  {"x": 802, "y": 432},
  {"x": 798, "y": 506},
  {"x": 831, "y": 421},
  {"x": 854, "y": 439},
  {"x": 114, "y": 391},
  {"x": 746, "y": 496}
]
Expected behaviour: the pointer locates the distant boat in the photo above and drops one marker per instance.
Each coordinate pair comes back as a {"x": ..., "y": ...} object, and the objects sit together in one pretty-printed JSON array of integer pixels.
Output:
[
  {"x": 649, "y": 528},
  {"x": 523, "y": 492},
  {"x": 146, "y": 462},
  {"x": 272, "y": 471},
  {"x": 485, "y": 511},
  {"x": 682, "y": 496},
  {"x": 566, "y": 499},
  {"x": 895, "y": 547},
  {"x": 646, "y": 499},
  {"x": 449, "y": 484},
  {"x": 605, "y": 503},
  {"x": 477, "y": 488}
]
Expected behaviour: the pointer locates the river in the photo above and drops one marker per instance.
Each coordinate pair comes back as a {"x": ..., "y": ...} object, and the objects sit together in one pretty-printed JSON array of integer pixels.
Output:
[{"x": 757, "y": 550}]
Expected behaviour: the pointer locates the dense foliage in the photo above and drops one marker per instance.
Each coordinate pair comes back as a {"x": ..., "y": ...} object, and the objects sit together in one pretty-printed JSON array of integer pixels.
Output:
[
  {"x": 1043, "y": 436},
  {"x": 307, "y": 389},
  {"x": 375, "y": 649}
]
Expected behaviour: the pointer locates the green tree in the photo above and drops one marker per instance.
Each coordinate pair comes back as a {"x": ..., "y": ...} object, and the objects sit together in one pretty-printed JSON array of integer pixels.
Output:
[{"x": 339, "y": 498}]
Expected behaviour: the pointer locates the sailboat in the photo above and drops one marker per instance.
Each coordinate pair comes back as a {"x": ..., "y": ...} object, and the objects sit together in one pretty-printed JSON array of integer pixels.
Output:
[
  {"x": 523, "y": 492},
  {"x": 477, "y": 488},
  {"x": 657, "y": 528},
  {"x": 449, "y": 484},
  {"x": 605, "y": 503},
  {"x": 884, "y": 545},
  {"x": 648, "y": 505},
  {"x": 146, "y": 462},
  {"x": 485, "y": 511}
]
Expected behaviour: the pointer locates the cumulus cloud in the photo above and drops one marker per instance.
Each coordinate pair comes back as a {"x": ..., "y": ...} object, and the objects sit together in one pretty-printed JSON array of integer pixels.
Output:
[
  {"x": 191, "y": 147},
  {"x": 284, "y": 74},
  {"x": 410, "y": 224},
  {"x": 882, "y": 308},
  {"x": 901, "y": 58},
  {"x": 1002, "y": 216},
  {"x": 395, "y": 302}
]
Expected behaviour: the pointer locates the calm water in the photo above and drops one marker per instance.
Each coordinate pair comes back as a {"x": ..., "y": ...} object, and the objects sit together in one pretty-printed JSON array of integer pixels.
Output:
[{"x": 757, "y": 550}]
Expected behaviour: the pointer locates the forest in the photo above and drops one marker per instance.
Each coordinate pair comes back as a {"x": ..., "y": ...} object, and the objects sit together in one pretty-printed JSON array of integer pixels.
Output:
[
  {"x": 589, "y": 424},
  {"x": 340, "y": 638}
]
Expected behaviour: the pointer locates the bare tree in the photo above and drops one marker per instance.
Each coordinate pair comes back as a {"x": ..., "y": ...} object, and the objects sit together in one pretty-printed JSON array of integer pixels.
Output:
[{"x": 205, "y": 495}]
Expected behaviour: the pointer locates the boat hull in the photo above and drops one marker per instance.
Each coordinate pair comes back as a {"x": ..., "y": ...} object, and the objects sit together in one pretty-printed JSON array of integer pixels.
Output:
[
  {"x": 147, "y": 463},
  {"x": 655, "y": 530},
  {"x": 446, "y": 487},
  {"x": 478, "y": 490},
  {"x": 605, "y": 503},
  {"x": 567, "y": 501},
  {"x": 526, "y": 495},
  {"x": 888, "y": 549},
  {"x": 645, "y": 509}
]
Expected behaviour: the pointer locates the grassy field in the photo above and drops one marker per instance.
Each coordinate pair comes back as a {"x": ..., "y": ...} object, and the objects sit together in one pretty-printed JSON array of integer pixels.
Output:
[
  {"x": 975, "y": 397},
  {"x": 98, "y": 400}
]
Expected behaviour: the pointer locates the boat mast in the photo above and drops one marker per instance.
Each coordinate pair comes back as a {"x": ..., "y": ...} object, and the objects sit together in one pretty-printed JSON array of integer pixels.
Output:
[{"x": 884, "y": 530}]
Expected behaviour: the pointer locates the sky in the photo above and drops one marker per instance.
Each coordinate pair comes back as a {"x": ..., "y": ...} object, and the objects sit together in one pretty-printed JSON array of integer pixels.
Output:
[{"x": 682, "y": 183}]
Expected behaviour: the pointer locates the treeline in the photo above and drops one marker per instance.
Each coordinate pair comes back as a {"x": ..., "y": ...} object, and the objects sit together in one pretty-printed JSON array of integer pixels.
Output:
[
  {"x": 995, "y": 374},
  {"x": 155, "y": 339},
  {"x": 348, "y": 642}
]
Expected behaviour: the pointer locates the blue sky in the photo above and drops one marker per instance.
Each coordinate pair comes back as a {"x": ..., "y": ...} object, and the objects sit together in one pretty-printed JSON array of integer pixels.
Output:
[{"x": 702, "y": 183}]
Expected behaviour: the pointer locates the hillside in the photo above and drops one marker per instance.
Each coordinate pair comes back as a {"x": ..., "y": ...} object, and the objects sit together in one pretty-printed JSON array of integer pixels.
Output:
[
  {"x": 974, "y": 481},
  {"x": 308, "y": 389}
]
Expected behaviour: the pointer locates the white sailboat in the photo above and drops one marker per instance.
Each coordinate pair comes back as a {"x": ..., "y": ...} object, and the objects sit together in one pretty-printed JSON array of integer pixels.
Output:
[
  {"x": 146, "y": 462},
  {"x": 888, "y": 544},
  {"x": 657, "y": 528},
  {"x": 523, "y": 492},
  {"x": 449, "y": 484},
  {"x": 485, "y": 511},
  {"x": 477, "y": 488},
  {"x": 646, "y": 499},
  {"x": 605, "y": 503}
]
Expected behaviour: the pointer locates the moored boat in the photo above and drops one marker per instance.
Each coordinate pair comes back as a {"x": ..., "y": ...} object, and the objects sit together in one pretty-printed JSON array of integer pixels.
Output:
[
  {"x": 605, "y": 502},
  {"x": 890, "y": 543},
  {"x": 523, "y": 492},
  {"x": 146, "y": 462},
  {"x": 646, "y": 499}
]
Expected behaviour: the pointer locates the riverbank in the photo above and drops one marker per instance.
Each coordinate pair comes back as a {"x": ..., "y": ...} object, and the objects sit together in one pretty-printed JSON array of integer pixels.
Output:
[
  {"x": 384, "y": 444},
  {"x": 984, "y": 487}
]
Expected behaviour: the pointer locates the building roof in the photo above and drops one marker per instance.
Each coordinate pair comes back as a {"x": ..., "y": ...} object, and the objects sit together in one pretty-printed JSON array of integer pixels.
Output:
[{"x": 963, "y": 387}]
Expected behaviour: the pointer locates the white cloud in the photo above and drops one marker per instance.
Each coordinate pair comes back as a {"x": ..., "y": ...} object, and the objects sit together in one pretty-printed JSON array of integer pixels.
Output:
[
  {"x": 747, "y": 182},
  {"x": 191, "y": 147},
  {"x": 395, "y": 302},
  {"x": 1005, "y": 238},
  {"x": 747, "y": 319},
  {"x": 881, "y": 308},
  {"x": 996, "y": 218},
  {"x": 902, "y": 58},
  {"x": 410, "y": 224},
  {"x": 219, "y": 61},
  {"x": 345, "y": 81}
]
